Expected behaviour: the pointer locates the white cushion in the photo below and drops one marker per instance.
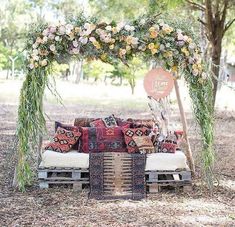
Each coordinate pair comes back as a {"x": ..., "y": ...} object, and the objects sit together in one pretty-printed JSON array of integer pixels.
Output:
[
  {"x": 166, "y": 161},
  {"x": 71, "y": 159}
]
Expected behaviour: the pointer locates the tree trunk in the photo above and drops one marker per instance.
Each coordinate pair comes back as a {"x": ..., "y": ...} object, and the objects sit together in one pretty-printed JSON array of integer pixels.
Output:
[
  {"x": 216, "y": 53},
  {"x": 79, "y": 72}
]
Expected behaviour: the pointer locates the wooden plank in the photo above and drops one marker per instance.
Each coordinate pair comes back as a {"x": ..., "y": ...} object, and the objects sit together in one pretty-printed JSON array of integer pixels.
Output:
[{"x": 185, "y": 128}]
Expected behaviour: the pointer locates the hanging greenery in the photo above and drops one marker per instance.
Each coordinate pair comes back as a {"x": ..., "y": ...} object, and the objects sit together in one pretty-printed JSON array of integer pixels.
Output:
[{"x": 85, "y": 38}]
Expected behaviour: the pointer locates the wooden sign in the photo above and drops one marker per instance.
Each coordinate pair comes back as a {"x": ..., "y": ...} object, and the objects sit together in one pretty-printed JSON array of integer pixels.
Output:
[{"x": 158, "y": 83}]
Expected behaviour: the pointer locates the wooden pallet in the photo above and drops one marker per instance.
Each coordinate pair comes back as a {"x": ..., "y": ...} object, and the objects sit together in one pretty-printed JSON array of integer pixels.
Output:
[
  {"x": 63, "y": 174},
  {"x": 158, "y": 180},
  {"x": 117, "y": 174},
  {"x": 75, "y": 185},
  {"x": 74, "y": 178}
]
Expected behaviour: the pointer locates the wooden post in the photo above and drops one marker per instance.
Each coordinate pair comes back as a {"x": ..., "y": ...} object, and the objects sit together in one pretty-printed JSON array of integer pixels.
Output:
[{"x": 185, "y": 128}]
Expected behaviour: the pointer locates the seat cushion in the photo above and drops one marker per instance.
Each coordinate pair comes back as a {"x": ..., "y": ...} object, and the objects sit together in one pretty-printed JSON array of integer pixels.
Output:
[
  {"x": 166, "y": 161},
  {"x": 71, "y": 159}
]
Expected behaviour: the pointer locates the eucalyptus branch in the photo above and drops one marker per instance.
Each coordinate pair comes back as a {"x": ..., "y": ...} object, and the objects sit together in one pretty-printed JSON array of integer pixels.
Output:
[
  {"x": 229, "y": 24},
  {"x": 196, "y": 5}
]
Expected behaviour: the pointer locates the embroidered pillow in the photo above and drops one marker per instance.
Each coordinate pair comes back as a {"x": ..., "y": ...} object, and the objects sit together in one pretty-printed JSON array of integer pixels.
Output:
[
  {"x": 69, "y": 128},
  {"x": 101, "y": 139},
  {"x": 144, "y": 144},
  {"x": 129, "y": 133},
  {"x": 168, "y": 146},
  {"x": 110, "y": 121},
  {"x": 63, "y": 140},
  {"x": 97, "y": 123}
]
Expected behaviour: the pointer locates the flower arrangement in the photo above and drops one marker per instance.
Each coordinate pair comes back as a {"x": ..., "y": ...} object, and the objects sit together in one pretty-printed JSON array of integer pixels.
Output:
[{"x": 117, "y": 41}]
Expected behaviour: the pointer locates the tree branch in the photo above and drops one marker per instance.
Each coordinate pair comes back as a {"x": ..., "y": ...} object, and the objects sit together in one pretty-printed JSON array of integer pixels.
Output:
[
  {"x": 228, "y": 25},
  {"x": 196, "y": 5},
  {"x": 224, "y": 12},
  {"x": 203, "y": 22}
]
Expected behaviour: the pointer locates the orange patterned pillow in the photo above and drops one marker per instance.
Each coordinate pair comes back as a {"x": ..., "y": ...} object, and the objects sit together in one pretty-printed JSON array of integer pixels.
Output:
[
  {"x": 129, "y": 133},
  {"x": 63, "y": 140},
  {"x": 144, "y": 143}
]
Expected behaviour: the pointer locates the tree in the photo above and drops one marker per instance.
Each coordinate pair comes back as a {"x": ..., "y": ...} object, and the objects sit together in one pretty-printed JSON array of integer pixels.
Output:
[{"x": 216, "y": 22}]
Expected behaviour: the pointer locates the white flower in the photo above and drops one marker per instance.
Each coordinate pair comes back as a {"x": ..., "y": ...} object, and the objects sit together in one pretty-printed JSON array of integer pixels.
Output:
[
  {"x": 192, "y": 46},
  {"x": 127, "y": 27},
  {"x": 185, "y": 37},
  {"x": 83, "y": 40},
  {"x": 162, "y": 47},
  {"x": 45, "y": 32},
  {"x": 35, "y": 52},
  {"x": 43, "y": 62},
  {"x": 180, "y": 37},
  {"x": 69, "y": 27},
  {"x": 62, "y": 30},
  {"x": 44, "y": 39},
  {"x": 135, "y": 41},
  {"x": 120, "y": 25},
  {"x": 204, "y": 76},
  {"x": 31, "y": 66},
  {"x": 35, "y": 57},
  {"x": 168, "y": 45},
  {"x": 75, "y": 50},
  {"x": 35, "y": 45},
  {"x": 92, "y": 39},
  {"x": 52, "y": 47},
  {"x": 108, "y": 28},
  {"x": 57, "y": 38},
  {"x": 142, "y": 21},
  {"x": 75, "y": 43},
  {"x": 52, "y": 29},
  {"x": 51, "y": 36}
]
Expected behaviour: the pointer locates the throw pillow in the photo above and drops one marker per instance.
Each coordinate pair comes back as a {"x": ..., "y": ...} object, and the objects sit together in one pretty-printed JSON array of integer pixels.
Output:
[
  {"x": 63, "y": 140},
  {"x": 97, "y": 123},
  {"x": 101, "y": 139},
  {"x": 168, "y": 146},
  {"x": 69, "y": 128},
  {"x": 110, "y": 121},
  {"x": 144, "y": 144},
  {"x": 129, "y": 133}
]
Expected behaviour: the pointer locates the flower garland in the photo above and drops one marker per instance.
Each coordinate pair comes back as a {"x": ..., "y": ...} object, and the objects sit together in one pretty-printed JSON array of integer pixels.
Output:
[{"x": 85, "y": 38}]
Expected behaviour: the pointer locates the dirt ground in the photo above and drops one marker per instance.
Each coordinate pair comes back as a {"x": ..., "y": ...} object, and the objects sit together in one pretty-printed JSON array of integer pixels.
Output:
[{"x": 64, "y": 207}]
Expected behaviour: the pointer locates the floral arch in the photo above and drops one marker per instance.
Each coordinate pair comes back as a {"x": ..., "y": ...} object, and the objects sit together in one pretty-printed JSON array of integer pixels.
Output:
[{"x": 85, "y": 38}]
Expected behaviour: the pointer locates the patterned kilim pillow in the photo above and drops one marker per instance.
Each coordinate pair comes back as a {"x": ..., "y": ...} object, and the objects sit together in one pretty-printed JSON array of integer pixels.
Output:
[
  {"x": 101, "y": 139},
  {"x": 110, "y": 121},
  {"x": 129, "y": 133},
  {"x": 168, "y": 146},
  {"x": 144, "y": 144},
  {"x": 97, "y": 123},
  {"x": 69, "y": 128},
  {"x": 63, "y": 140}
]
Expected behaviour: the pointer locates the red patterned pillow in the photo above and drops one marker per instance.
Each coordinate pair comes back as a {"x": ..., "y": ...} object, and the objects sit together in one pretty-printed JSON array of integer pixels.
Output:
[
  {"x": 69, "y": 128},
  {"x": 168, "y": 146},
  {"x": 63, "y": 140},
  {"x": 97, "y": 123},
  {"x": 101, "y": 139},
  {"x": 129, "y": 133}
]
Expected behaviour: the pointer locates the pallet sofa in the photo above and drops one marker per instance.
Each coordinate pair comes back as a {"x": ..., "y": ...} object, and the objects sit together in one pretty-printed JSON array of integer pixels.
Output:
[{"x": 72, "y": 169}]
